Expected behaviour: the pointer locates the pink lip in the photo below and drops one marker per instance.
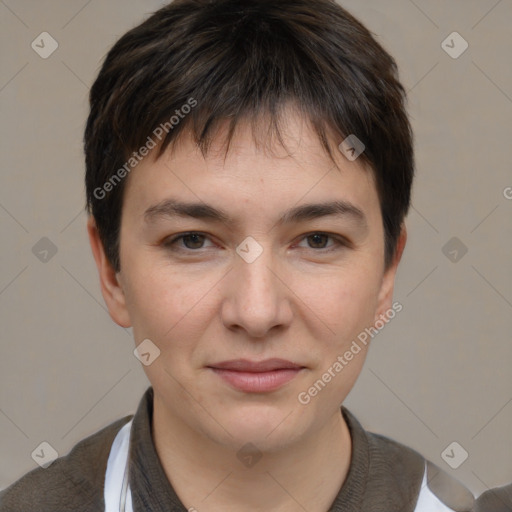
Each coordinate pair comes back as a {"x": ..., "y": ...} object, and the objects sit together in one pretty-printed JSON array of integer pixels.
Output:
[{"x": 256, "y": 377}]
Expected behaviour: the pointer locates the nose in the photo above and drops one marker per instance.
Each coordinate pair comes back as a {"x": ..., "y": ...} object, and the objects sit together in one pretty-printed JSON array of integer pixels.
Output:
[{"x": 256, "y": 299}]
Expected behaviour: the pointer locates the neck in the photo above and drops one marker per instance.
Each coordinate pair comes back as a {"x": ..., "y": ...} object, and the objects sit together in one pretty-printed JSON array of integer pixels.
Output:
[{"x": 207, "y": 476}]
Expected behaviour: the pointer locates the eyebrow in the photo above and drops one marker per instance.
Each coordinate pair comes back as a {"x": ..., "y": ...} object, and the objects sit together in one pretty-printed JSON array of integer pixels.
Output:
[{"x": 173, "y": 208}]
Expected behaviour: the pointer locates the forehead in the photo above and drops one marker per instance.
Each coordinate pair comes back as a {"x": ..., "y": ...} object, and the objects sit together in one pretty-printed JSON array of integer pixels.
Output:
[{"x": 254, "y": 168}]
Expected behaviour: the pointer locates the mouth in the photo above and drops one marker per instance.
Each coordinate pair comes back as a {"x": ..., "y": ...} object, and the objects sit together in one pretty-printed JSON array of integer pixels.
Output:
[{"x": 256, "y": 376}]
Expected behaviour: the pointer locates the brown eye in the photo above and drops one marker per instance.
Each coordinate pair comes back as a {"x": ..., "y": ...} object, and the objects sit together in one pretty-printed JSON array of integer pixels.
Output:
[
  {"x": 318, "y": 240},
  {"x": 189, "y": 241},
  {"x": 193, "y": 241},
  {"x": 323, "y": 242}
]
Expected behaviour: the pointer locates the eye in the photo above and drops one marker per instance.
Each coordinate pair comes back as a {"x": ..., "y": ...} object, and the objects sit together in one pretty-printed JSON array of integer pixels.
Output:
[
  {"x": 191, "y": 241},
  {"x": 318, "y": 240}
]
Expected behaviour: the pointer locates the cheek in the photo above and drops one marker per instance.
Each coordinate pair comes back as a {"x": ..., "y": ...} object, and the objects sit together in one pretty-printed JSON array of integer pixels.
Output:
[
  {"x": 345, "y": 304},
  {"x": 344, "y": 301},
  {"x": 159, "y": 301}
]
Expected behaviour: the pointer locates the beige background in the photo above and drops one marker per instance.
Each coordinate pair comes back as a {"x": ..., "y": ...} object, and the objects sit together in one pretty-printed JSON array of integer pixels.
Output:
[{"x": 439, "y": 372}]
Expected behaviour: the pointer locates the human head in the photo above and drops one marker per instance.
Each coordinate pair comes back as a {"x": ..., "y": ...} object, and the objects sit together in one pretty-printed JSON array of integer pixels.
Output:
[
  {"x": 235, "y": 83},
  {"x": 195, "y": 63}
]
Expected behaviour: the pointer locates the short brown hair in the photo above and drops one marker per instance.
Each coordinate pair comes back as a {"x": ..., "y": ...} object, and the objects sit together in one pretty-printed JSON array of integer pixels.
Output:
[{"x": 239, "y": 59}]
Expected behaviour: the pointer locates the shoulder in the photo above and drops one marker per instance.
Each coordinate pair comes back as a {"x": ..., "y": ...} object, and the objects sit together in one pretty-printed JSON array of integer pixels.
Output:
[
  {"x": 399, "y": 478},
  {"x": 498, "y": 499},
  {"x": 422, "y": 485},
  {"x": 71, "y": 483}
]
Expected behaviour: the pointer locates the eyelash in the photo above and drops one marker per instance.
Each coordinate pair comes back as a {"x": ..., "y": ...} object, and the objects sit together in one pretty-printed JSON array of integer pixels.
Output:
[{"x": 340, "y": 242}]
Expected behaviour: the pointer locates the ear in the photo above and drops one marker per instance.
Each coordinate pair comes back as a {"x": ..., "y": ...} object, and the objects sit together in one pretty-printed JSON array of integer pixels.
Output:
[
  {"x": 111, "y": 288},
  {"x": 388, "y": 279}
]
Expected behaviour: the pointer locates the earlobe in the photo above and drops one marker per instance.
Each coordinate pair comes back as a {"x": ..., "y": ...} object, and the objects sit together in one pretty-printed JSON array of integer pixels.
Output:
[
  {"x": 388, "y": 280},
  {"x": 111, "y": 287}
]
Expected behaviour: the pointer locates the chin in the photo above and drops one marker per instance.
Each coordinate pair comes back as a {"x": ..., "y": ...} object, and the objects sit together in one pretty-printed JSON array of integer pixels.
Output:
[{"x": 269, "y": 427}]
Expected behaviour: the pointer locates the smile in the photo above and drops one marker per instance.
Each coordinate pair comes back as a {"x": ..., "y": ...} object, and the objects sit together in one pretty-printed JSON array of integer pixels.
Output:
[{"x": 257, "y": 377}]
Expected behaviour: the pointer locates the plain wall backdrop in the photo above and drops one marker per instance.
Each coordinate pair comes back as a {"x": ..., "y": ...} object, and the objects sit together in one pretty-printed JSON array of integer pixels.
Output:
[{"x": 439, "y": 372}]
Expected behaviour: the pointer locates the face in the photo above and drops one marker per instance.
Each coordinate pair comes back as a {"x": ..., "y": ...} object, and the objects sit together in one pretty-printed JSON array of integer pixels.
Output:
[{"x": 250, "y": 275}]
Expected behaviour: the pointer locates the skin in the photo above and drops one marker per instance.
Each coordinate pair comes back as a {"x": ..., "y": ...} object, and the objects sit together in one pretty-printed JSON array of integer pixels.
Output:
[{"x": 304, "y": 299}]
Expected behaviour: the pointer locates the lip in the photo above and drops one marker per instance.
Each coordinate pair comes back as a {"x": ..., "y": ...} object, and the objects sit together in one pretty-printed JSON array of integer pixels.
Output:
[
  {"x": 256, "y": 376},
  {"x": 245, "y": 365}
]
